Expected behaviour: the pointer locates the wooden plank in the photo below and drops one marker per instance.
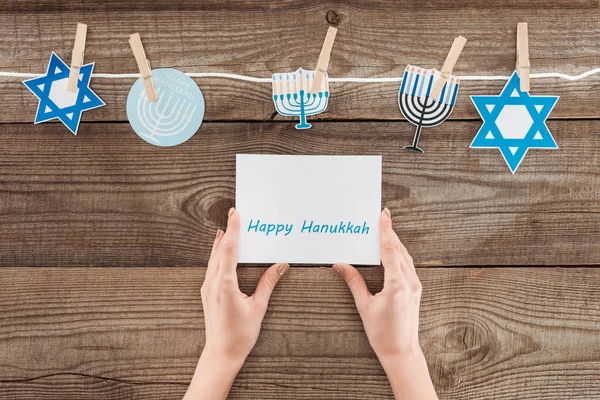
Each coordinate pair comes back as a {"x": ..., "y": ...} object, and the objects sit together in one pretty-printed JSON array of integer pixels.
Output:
[
  {"x": 107, "y": 198},
  {"x": 114, "y": 333},
  {"x": 375, "y": 39},
  {"x": 29, "y": 6}
]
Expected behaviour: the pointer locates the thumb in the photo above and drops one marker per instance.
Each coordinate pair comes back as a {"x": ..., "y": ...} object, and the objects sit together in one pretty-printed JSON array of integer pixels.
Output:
[
  {"x": 356, "y": 283},
  {"x": 268, "y": 281}
]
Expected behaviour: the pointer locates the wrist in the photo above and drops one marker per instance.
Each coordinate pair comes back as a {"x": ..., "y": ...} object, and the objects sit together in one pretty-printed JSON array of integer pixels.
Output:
[
  {"x": 221, "y": 360},
  {"x": 406, "y": 356},
  {"x": 408, "y": 374},
  {"x": 214, "y": 375}
]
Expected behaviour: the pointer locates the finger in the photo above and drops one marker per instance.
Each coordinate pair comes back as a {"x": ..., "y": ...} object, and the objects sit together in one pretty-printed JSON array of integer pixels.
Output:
[
  {"x": 212, "y": 261},
  {"x": 390, "y": 250},
  {"x": 356, "y": 283},
  {"x": 267, "y": 283},
  {"x": 408, "y": 268},
  {"x": 216, "y": 243},
  {"x": 395, "y": 245},
  {"x": 228, "y": 248}
]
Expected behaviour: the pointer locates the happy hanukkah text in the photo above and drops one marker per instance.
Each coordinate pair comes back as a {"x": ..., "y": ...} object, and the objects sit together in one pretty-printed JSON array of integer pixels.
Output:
[{"x": 308, "y": 227}]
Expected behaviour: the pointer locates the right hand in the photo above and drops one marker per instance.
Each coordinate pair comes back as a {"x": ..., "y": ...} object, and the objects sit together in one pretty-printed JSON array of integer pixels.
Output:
[{"x": 390, "y": 317}]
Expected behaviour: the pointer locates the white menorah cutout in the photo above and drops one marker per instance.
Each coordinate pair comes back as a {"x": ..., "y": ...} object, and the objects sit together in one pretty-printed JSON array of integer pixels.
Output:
[
  {"x": 292, "y": 96},
  {"x": 161, "y": 119},
  {"x": 416, "y": 104}
]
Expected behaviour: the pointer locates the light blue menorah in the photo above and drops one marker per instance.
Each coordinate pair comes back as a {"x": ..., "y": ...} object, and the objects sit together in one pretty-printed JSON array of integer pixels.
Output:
[
  {"x": 164, "y": 118},
  {"x": 292, "y": 96},
  {"x": 174, "y": 117}
]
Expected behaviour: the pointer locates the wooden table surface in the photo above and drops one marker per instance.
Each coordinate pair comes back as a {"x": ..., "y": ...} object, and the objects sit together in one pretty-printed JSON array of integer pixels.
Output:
[{"x": 104, "y": 238}]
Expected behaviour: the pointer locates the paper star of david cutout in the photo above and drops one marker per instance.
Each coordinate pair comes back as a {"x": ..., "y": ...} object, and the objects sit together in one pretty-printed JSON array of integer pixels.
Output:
[
  {"x": 514, "y": 122},
  {"x": 58, "y": 103}
]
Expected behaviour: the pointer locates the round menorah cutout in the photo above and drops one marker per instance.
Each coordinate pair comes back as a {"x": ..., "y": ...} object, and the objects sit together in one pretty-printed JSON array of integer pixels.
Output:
[{"x": 174, "y": 117}]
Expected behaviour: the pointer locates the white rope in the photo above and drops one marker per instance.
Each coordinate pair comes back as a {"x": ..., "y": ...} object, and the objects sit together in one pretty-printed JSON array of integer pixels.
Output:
[{"x": 356, "y": 80}]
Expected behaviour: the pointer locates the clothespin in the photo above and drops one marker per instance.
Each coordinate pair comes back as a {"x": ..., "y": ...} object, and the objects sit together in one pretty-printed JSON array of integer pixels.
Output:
[
  {"x": 446, "y": 71},
  {"x": 323, "y": 61},
  {"x": 144, "y": 66},
  {"x": 77, "y": 57},
  {"x": 522, "y": 66}
]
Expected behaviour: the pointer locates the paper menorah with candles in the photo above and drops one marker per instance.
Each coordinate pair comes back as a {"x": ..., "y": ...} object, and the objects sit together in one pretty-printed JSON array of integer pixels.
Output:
[
  {"x": 165, "y": 117},
  {"x": 513, "y": 121},
  {"x": 293, "y": 98},
  {"x": 417, "y": 104}
]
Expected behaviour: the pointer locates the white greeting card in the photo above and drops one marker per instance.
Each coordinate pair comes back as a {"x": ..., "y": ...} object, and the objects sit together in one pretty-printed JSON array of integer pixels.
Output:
[{"x": 308, "y": 209}]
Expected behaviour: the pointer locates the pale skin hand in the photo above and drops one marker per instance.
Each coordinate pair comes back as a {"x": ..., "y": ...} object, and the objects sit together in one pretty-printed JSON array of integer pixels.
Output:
[
  {"x": 391, "y": 317},
  {"x": 232, "y": 319}
]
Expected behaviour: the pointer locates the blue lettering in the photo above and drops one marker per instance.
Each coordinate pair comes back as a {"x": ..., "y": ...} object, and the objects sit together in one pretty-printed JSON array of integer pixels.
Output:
[
  {"x": 350, "y": 228},
  {"x": 365, "y": 228},
  {"x": 307, "y": 228},
  {"x": 267, "y": 229},
  {"x": 255, "y": 227},
  {"x": 280, "y": 228}
]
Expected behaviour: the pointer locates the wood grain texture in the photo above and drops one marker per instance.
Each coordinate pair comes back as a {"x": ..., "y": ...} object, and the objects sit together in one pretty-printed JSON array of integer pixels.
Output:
[
  {"x": 375, "y": 39},
  {"x": 115, "y": 333},
  {"x": 65, "y": 6},
  {"x": 107, "y": 198}
]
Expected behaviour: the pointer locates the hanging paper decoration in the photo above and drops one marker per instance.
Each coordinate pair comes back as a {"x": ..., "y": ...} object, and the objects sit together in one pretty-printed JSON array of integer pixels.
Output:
[
  {"x": 293, "y": 98},
  {"x": 514, "y": 122},
  {"x": 174, "y": 117},
  {"x": 416, "y": 104},
  {"x": 56, "y": 102},
  {"x": 303, "y": 93}
]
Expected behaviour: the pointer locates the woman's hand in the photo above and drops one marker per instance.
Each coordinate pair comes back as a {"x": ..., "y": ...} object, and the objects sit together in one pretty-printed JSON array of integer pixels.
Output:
[
  {"x": 232, "y": 319},
  {"x": 391, "y": 317}
]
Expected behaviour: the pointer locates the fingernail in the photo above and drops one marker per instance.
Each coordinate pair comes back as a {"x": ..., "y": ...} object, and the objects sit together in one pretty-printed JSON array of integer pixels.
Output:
[
  {"x": 387, "y": 212},
  {"x": 338, "y": 268},
  {"x": 219, "y": 233},
  {"x": 231, "y": 212},
  {"x": 282, "y": 269}
]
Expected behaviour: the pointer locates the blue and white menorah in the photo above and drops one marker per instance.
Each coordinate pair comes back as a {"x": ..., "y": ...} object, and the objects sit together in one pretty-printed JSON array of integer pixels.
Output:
[
  {"x": 163, "y": 118},
  {"x": 416, "y": 104},
  {"x": 292, "y": 96}
]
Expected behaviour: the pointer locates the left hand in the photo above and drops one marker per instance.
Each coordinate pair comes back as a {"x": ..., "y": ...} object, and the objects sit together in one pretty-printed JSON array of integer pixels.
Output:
[{"x": 233, "y": 319}]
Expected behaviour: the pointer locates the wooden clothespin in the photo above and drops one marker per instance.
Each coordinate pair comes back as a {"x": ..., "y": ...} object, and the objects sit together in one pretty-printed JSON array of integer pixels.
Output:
[
  {"x": 323, "y": 61},
  {"x": 144, "y": 66},
  {"x": 77, "y": 57},
  {"x": 446, "y": 71},
  {"x": 522, "y": 66}
]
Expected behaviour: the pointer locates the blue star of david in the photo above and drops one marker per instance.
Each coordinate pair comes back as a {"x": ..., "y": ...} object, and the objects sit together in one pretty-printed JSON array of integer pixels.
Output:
[
  {"x": 513, "y": 147},
  {"x": 68, "y": 114}
]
